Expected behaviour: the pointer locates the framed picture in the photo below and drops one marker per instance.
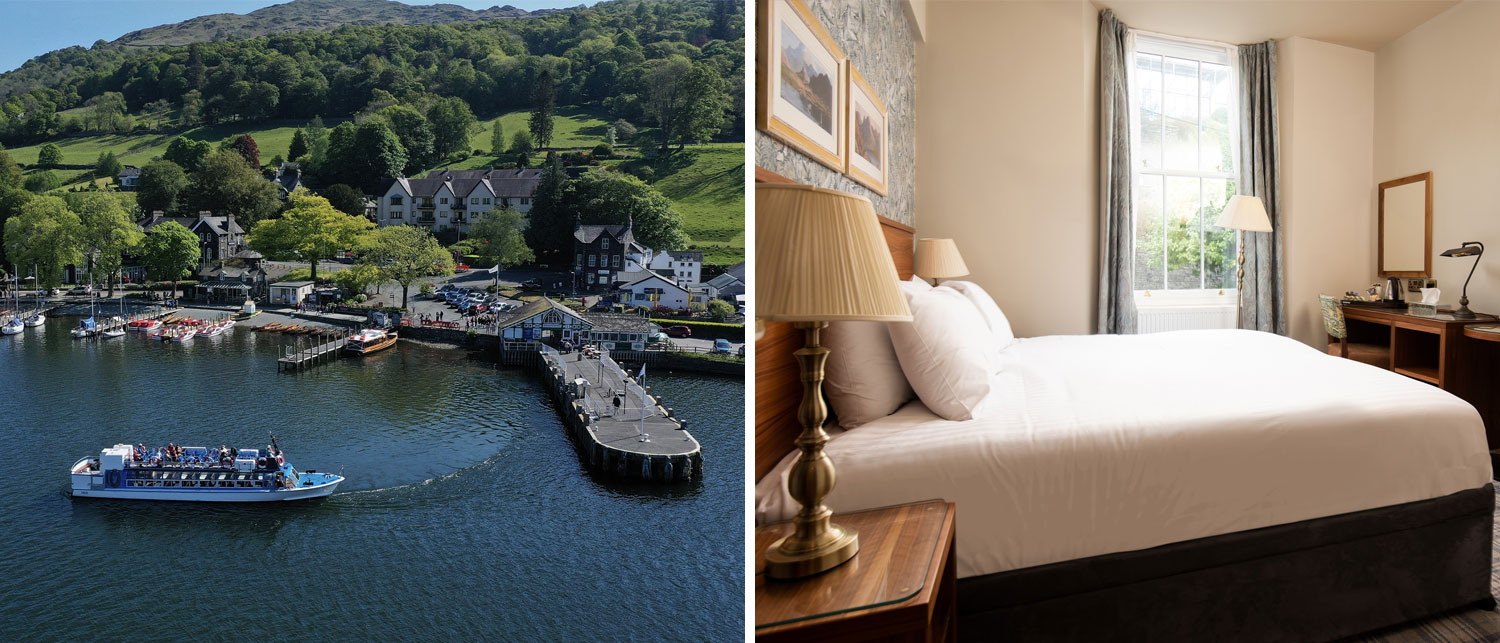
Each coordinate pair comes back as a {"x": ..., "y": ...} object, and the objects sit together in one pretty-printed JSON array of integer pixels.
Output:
[
  {"x": 801, "y": 94},
  {"x": 868, "y": 137}
]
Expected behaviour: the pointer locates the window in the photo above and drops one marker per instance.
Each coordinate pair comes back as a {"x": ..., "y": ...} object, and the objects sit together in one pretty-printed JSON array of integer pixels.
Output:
[
  {"x": 617, "y": 261},
  {"x": 504, "y": 202},
  {"x": 525, "y": 201},
  {"x": 443, "y": 200},
  {"x": 593, "y": 259},
  {"x": 604, "y": 243},
  {"x": 395, "y": 214},
  {"x": 1184, "y": 133},
  {"x": 591, "y": 277},
  {"x": 486, "y": 200},
  {"x": 474, "y": 200},
  {"x": 396, "y": 200},
  {"x": 580, "y": 260}
]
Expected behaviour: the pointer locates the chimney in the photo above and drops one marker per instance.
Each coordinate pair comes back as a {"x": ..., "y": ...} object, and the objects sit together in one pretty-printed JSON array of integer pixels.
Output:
[{"x": 229, "y": 226}]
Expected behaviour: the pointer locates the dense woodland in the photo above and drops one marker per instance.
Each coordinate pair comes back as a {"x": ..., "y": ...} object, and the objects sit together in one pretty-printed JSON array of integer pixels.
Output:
[{"x": 605, "y": 56}]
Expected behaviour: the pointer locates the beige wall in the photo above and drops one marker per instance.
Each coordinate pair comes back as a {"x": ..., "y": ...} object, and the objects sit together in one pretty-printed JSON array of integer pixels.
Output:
[
  {"x": 1007, "y": 156},
  {"x": 1437, "y": 107},
  {"x": 1326, "y": 97}
]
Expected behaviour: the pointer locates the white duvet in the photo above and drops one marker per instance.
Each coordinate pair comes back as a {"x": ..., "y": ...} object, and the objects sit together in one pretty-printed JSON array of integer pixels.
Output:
[{"x": 1092, "y": 445}]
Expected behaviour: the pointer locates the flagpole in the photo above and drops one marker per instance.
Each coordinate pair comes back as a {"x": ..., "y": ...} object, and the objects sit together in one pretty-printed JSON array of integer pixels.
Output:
[{"x": 641, "y": 382}]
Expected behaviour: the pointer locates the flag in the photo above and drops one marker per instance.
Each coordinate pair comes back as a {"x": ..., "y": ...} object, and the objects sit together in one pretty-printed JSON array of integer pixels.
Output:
[
  {"x": 642, "y": 374},
  {"x": 494, "y": 270}
]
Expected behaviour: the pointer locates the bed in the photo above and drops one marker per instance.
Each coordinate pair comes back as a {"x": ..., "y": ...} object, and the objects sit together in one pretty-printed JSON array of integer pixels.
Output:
[{"x": 1200, "y": 485}]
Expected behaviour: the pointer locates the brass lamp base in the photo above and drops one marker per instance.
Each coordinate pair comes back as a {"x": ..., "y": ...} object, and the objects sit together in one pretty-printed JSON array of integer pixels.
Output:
[
  {"x": 788, "y": 558},
  {"x": 815, "y": 544}
]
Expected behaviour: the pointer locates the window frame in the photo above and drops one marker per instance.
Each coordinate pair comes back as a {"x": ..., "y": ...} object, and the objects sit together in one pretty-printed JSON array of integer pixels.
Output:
[{"x": 1199, "y": 51}]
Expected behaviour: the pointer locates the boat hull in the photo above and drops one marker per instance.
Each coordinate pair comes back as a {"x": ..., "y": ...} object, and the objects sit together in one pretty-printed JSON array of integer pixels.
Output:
[
  {"x": 371, "y": 348},
  {"x": 217, "y": 495}
]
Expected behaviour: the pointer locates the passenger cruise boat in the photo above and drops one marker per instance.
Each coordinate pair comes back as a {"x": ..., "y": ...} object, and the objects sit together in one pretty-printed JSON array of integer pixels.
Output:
[
  {"x": 197, "y": 474},
  {"x": 369, "y": 340}
]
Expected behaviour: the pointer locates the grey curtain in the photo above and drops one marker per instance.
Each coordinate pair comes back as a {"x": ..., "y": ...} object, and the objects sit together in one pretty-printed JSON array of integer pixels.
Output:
[
  {"x": 1116, "y": 279},
  {"x": 1263, "y": 304}
]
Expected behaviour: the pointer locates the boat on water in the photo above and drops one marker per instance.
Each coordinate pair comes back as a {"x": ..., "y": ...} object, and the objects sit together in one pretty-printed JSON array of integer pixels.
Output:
[
  {"x": 369, "y": 341},
  {"x": 86, "y": 328},
  {"x": 180, "y": 334},
  {"x": 197, "y": 474},
  {"x": 216, "y": 329},
  {"x": 12, "y": 327},
  {"x": 36, "y": 320},
  {"x": 144, "y": 325}
]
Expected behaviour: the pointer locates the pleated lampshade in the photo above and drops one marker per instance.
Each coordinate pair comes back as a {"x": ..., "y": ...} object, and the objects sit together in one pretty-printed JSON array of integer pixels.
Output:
[
  {"x": 1246, "y": 213},
  {"x": 939, "y": 259},
  {"x": 820, "y": 256}
]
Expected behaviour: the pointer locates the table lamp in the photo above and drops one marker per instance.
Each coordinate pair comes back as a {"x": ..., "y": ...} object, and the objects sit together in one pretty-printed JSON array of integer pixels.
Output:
[
  {"x": 820, "y": 257},
  {"x": 1473, "y": 249},
  {"x": 1243, "y": 214},
  {"x": 939, "y": 259}
]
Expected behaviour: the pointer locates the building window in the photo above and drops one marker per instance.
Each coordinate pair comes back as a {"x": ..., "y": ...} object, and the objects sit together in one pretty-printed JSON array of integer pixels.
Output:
[
  {"x": 579, "y": 262},
  {"x": 504, "y": 202},
  {"x": 525, "y": 201},
  {"x": 487, "y": 201},
  {"x": 443, "y": 201},
  {"x": 617, "y": 261},
  {"x": 395, "y": 200},
  {"x": 395, "y": 214},
  {"x": 592, "y": 260},
  {"x": 1184, "y": 133},
  {"x": 474, "y": 200},
  {"x": 591, "y": 278},
  {"x": 604, "y": 243}
]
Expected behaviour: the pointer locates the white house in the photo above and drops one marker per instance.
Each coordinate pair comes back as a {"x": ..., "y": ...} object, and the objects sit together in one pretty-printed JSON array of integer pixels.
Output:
[
  {"x": 619, "y": 331},
  {"x": 684, "y": 267},
  {"x": 544, "y": 320},
  {"x": 452, "y": 199},
  {"x": 654, "y": 290},
  {"x": 290, "y": 292},
  {"x": 130, "y": 178}
]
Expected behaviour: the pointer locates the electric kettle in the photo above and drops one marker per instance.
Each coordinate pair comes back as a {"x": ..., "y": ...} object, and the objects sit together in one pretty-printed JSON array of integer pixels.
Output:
[{"x": 1393, "y": 290}]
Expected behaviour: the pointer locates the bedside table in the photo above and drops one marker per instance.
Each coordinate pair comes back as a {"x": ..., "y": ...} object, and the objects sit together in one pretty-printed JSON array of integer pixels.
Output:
[{"x": 901, "y": 585}]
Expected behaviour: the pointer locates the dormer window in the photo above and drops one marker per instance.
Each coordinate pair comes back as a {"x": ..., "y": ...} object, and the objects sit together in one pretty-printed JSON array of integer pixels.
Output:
[
  {"x": 395, "y": 200},
  {"x": 604, "y": 243}
]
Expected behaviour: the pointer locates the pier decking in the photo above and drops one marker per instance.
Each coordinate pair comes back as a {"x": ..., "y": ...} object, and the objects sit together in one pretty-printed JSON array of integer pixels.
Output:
[
  {"x": 621, "y": 439},
  {"x": 320, "y": 351}
]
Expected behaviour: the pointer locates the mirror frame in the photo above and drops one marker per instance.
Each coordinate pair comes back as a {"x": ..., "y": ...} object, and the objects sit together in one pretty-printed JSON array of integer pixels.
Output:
[{"x": 1380, "y": 228}]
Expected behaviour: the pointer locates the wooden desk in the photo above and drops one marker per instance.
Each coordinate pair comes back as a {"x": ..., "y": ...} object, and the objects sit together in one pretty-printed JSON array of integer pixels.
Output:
[
  {"x": 901, "y": 586},
  {"x": 1424, "y": 348}
]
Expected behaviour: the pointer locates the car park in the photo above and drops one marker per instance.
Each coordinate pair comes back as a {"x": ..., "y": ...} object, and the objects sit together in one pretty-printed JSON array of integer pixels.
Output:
[{"x": 679, "y": 331}]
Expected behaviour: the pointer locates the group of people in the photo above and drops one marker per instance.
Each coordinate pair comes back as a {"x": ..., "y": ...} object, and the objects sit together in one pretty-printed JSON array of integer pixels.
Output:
[{"x": 223, "y": 456}]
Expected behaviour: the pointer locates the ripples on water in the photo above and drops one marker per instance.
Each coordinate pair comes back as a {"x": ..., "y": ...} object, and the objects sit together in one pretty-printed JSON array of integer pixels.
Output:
[{"x": 466, "y": 513}]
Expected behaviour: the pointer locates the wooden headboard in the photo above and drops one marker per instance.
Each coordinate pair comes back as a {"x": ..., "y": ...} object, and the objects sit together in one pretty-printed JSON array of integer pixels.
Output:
[{"x": 778, "y": 381}]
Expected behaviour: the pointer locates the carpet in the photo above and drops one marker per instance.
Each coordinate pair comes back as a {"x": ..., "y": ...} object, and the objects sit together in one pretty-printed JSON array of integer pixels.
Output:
[{"x": 1457, "y": 627}]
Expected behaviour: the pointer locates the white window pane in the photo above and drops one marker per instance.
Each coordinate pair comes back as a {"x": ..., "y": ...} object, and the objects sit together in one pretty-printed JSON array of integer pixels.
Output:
[
  {"x": 1148, "y": 237},
  {"x": 1180, "y": 114},
  {"x": 1148, "y": 78},
  {"x": 1219, "y": 250},
  {"x": 1216, "y": 153},
  {"x": 1184, "y": 245}
]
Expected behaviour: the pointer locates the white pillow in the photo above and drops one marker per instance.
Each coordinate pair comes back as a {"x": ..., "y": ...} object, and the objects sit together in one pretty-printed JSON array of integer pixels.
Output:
[
  {"x": 938, "y": 356},
  {"x": 914, "y": 286},
  {"x": 999, "y": 325},
  {"x": 864, "y": 380}
]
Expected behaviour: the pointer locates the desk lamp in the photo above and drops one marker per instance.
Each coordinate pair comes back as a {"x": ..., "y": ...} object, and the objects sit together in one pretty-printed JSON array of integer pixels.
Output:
[
  {"x": 820, "y": 257},
  {"x": 1468, "y": 249}
]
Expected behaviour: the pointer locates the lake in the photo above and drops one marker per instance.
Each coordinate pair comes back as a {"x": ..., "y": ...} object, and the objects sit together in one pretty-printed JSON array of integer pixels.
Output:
[{"x": 466, "y": 513}]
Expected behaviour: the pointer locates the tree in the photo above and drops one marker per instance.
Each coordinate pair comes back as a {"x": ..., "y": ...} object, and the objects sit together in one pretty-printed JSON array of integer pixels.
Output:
[
  {"x": 718, "y": 309},
  {"x": 415, "y": 134},
  {"x": 49, "y": 156},
  {"x": 44, "y": 181},
  {"x": 298, "y": 148},
  {"x": 451, "y": 120},
  {"x": 377, "y": 154},
  {"x": 160, "y": 184},
  {"x": 107, "y": 166},
  {"x": 46, "y": 235},
  {"x": 497, "y": 138},
  {"x": 345, "y": 199},
  {"x": 358, "y": 278},
  {"x": 686, "y": 99},
  {"x": 10, "y": 172},
  {"x": 311, "y": 230},
  {"x": 612, "y": 198},
  {"x": 521, "y": 143},
  {"x": 551, "y": 219},
  {"x": 224, "y": 183},
  {"x": 11, "y": 202},
  {"x": 405, "y": 254},
  {"x": 170, "y": 252},
  {"x": 245, "y": 146},
  {"x": 623, "y": 129},
  {"x": 108, "y": 231},
  {"x": 497, "y": 236},
  {"x": 187, "y": 153},
  {"x": 543, "y": 102}
]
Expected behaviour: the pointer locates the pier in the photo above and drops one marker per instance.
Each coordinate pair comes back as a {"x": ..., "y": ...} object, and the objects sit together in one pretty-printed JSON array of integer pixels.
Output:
[
  {"x": 301, "y": 356},
  {"x": 125, "y": 321},
  {"x": 603, "y": 408}
]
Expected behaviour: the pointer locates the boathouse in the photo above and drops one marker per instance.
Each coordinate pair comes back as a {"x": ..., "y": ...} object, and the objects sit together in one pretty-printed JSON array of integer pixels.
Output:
[
  {"x": 290, "y": 293},
  {"x": 619, "y": 331},
  {"x": 546, "y": 321}
]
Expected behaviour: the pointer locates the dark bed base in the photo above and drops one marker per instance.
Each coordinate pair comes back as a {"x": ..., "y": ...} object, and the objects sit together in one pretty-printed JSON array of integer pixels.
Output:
[{"x": 1315, "y": 580}]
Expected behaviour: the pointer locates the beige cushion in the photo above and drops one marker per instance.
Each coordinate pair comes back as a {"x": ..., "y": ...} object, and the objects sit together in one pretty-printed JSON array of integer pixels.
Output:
[
  {"x": 937, "y": 352},
  {"x": 999, "y": 325},
  {"x": 863, "y": 381}
]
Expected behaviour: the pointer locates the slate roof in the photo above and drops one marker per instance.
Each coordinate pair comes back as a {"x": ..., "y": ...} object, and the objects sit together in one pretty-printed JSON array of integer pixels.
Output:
[
  {"x": 738, "y": 270},
  {"x": 686, "y": 255},
  {"x": 130, "y": 171},
  {"x": 537, "y": 307},
  {"x": 620, "y": 323},
  {"x": 588, "y": 233},
  {"x": 217, "y": 225},
  {"x": 723, "y": 280},
  {"x": 637, "y": 277}
]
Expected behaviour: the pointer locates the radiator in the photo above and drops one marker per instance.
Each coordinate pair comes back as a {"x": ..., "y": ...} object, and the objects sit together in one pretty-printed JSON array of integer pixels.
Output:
[{"x": 1160, "y": 318}]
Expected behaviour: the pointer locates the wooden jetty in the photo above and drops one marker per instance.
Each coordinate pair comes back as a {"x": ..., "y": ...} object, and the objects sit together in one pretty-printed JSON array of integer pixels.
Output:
[
  {"x": 125, "y": 321},
  {"x": 603, "y": 408},
  {"x": 320, "y": 351}
]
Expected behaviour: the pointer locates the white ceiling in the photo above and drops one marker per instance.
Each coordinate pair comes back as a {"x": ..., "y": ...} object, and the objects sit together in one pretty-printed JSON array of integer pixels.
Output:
[{"x": 1362, "y": 24}]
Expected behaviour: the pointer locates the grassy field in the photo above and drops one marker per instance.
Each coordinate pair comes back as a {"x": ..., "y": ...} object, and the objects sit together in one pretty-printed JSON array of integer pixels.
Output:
[
  {"x": 707, "y": 185},
  {"x": 272, "y": 138}
]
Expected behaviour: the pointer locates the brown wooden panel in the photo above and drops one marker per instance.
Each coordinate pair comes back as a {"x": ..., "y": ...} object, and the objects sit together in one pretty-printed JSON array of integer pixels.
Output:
[{"x": 778, "y": 381}]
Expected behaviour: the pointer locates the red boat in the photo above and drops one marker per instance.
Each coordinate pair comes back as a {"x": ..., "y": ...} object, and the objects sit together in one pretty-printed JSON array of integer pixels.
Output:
[{"x": 144, "y": 325}]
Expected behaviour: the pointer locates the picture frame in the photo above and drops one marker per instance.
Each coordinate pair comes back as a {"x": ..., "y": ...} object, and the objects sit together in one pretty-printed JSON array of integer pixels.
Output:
[
  {"x": 801, "y": 93},
  {"x": 867, "y": 160}
]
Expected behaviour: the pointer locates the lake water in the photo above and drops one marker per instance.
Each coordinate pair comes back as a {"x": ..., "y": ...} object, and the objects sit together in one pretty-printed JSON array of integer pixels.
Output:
[{"x": 466, "y": 513}]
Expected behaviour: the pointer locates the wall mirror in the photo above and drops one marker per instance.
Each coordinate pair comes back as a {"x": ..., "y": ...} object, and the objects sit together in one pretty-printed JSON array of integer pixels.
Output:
[{"x": 1405, "y": 225}]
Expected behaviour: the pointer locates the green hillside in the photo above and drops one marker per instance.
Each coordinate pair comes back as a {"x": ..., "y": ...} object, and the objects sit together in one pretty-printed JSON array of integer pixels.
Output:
[
  {"x": 707, "y": 185},
  {"x": 273, "y": 138}
]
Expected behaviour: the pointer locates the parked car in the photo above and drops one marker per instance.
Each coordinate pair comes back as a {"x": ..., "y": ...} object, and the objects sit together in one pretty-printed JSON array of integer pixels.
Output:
[
  {"x": 742, "y": 350},
  {"x": 531, "y": 285},
  {"x": 445, "y": 289},
  {"x": 678, "y": 331},
  {"x": 721, "y": 347},
  {"x": 463, "y": 267},
  {"x": 659, "y": 337},
  {"x": 81, "y": 290}
]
